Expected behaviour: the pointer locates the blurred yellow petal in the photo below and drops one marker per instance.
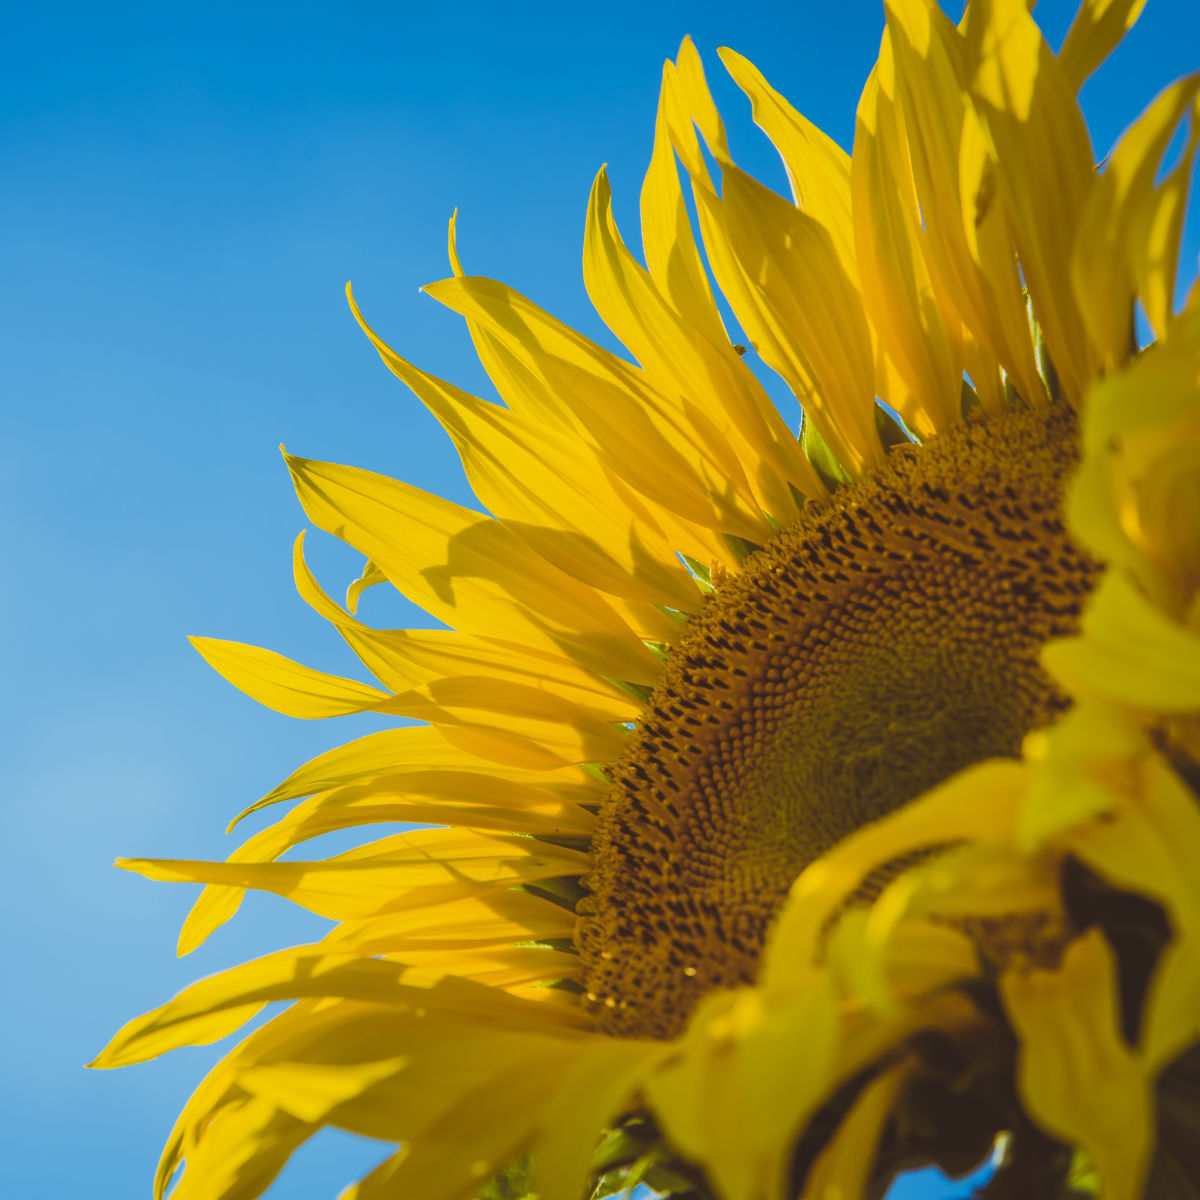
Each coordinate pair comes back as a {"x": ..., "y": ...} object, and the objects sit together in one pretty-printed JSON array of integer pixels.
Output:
[
  {"x": 246, "y": 1143},
  {"x": 843, "y": 1168},
  {"x": 1130, "y": 653},
  {"x": 1127, "y": 243},
  {"x": 455, "y": 1155},
  {"x": 1136, "y": 499},
  {"x": 1085, "y": 764},
  {"x": 982, "y": 801},
  {"x": 596, "y": 1089},
  {"x": 1149, "y": 846},
  {"x": 1076, "y": 1075},
  {"x": 1098, "y": 27}
]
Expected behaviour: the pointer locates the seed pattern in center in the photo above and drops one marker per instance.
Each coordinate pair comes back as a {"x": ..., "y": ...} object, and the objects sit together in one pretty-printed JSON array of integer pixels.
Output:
[{"x": 886, "y": 640}]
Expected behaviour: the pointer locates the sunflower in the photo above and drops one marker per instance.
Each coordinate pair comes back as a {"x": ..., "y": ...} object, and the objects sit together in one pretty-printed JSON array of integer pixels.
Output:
[{"x": 794, "y": 809}]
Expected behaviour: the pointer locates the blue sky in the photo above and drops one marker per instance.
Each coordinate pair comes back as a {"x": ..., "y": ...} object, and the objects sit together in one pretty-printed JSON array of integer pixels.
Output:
[{"x": 187, "y": 190}]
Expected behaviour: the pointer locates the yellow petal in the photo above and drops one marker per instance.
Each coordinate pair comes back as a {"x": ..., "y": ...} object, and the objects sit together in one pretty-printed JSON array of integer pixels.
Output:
[
  {"x": 439, "y": 797},
  {"x": 416, "y": 749},
  {"x": 897, "y": 290},
  {"x": 750, "y": 1073},
  {"x": 672, "y": 258},
  {"x": 309, "y": 1091},
  {"x": 713, "y": 387},
  {"x": 589, "y": 1097},
  {"x": 284, "y": 685},
  {"x": 484, "y": 581},
  {"x": 455, "y": 1155},
  {"x": 1136, "y": 499},
  {"x": 1043, "y": 165},
  {"x": 1130, "y": 653},
  {"x": 376, "y": 877},
  {"x": 780, "y": 271},
  {"x": 981, "y": 802},
  {"x": 843, "y": 1168},
  {"x": 968, "y": 247},
  {"x": 213, "y": 1007},
  {"x": 1098, "y": 27},
  {"x": 1149, "y": 845},
  {"x": 818, "y": 168},
  {"x": 1085, "y": 763},
  {"x": 574, "y": 519},
  {"x": 371, "y": 575},
  {"x": 644, "y": 438},
  {"x": 512, "y": 969},
  {"x": 245, "y": 1144},
  {"x": 1124, "y": 244},
  {"x": 1076, "y": 1076},
  {"x": 490, "y": 918},
  {"x": 409, "y": 658},
  {"x": 918, "y": 957}
]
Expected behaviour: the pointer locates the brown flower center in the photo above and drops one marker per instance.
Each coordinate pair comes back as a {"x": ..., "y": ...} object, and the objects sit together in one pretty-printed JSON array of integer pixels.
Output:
[{"x": 886, "y": 640}]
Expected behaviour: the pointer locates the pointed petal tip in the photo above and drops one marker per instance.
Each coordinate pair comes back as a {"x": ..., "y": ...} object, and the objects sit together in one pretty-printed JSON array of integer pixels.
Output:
[{"x": 601, "y": 188}]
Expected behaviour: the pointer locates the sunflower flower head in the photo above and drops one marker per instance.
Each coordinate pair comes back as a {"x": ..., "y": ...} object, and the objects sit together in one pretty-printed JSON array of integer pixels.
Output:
[{"x": 791, "y": 808}]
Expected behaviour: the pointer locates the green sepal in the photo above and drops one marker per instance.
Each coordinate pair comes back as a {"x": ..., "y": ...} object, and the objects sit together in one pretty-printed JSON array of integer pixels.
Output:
[
  {"x": 798, "y": 497},
  {"x": 741, "y": 548},
  {"x": 969, "y": 403},
  {"x": 831, "y": 472},
  {"x": 641, "y": 692},
  {"x": 568, "y": 841},
  {"x": 1082, "y": 1180},
  {"x": 565, "y": 890},
  {"x": 512, "y": 1182},
  {"x": 660, "y": 650},
  {"x": 680, "y": 618},
  {"x": 891, "y": 429},
  {"x": 565, "y": 945},
  {"x": 624, "y": 1145},
  {"x": 566, "y": 985},
  {"x": 1012, "y": 397},
  {"x": 1042, "y": 352},
  {"x": 701, "y": 571}
]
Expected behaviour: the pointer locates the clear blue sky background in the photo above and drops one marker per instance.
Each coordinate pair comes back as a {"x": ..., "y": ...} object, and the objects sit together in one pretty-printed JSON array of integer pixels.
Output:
[{"x": 187, "y": 188}]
